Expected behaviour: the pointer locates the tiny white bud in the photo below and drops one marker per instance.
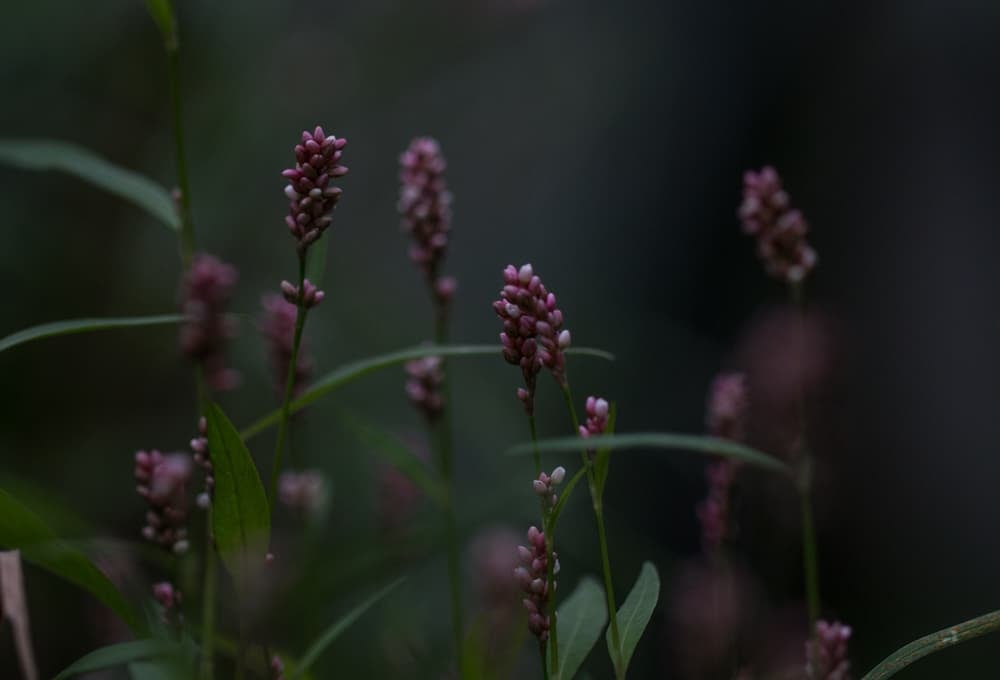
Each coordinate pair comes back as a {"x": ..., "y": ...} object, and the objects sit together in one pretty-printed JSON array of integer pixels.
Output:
[
  {"x": 513, "y": 311},
  {"x": 601, "y": 408},
  {"x": 564, "y": 339},
  {"x": 525, "y": 274},
  {"x": 540, "y": 487},
  {"x": 291, "y": 193},
  {"x": 180, "y": 547},
  {"x": 558, "y": 475},
  {"x": 204, "y": 501}
]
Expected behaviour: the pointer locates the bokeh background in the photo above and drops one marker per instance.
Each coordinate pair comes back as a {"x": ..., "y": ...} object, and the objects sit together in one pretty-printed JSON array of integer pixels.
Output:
[{"x": 604, "y": 142}]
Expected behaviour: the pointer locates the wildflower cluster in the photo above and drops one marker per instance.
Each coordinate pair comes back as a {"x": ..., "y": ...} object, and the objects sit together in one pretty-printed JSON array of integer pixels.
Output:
[
  {"x": 206, "y": 290},
  {"x": 597, "y": 410},
  {"x": 826, "y": 653},
  {"x": 545, "y": 486},
  {"x": 424, "y": 379},
  {"x": 201, "y": 457},
  {"x": 277, "y": 327},
  {"x": 162, "y": 480},
  {"x": 780, "y": 230},
  {"x": 310, "y": 194},
  {"x": 532, "y": 576}
]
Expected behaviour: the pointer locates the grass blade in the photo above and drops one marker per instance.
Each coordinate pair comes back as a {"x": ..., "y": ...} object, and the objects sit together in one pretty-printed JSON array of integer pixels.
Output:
[
  {"x": 241, "y": 518},
  {"x": 117, "y": 655},
  {"x": 581, "y": 619},
  {"x": 336, "y": 628},
  {"x": 634, "y": 614},
  {"x": 48, "y": 154},
  {"x": 55, "y": 328},
  {"x": 354, "y": 370},
  {"x": 659, "y": 440}
]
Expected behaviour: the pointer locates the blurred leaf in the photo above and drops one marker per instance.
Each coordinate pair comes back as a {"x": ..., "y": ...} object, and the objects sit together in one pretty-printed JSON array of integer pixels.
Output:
[
  {"x": 48, "y": 154},
  {"x": 661, "y": 440},
  {"x": 48, "y": 330},
  {"x": 241, "y": 518},
  {"x": 163, "y": 15},
  {"x": 357, "y": 369},
  {"x": 22, "y": 529},
  {"x": 634, "y": 614},
  {"x": 397, "y": 454},
  {"x": 602, "y": 460},
  {"x": 14, "y": 609},
  {"x": 117, "y": 655},
  {"x": 336, "y": 628},
  {"x": 581, "y": 618}
]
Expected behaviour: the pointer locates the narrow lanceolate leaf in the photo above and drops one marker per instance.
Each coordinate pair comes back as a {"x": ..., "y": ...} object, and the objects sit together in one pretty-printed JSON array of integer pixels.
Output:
[
  {"x": 581, "y": 618},
  {"x": 660, "y": 440},
  {"x": 14, "y": 610},
  {"x": 397, "y": 454},
  {"x": 118, "y": 655},
  {"x": 48, "y": 330},
  {"x": 335, "y": 629},
  {"x": 48, "y": 154},
  {"x": 350, "y": 372},
  {"x": 163, "y": 15},
  {"x": 21, "y": 529},
  {"x": 634, "y": 614},
  {"x": 240, "y": 513}
]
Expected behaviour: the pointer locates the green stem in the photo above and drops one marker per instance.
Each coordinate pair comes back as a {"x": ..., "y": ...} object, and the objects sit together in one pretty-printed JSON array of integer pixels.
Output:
[
  {"x": 206, "y": 669},
  {"x": 300, "y": 322},
  {"x": 810, "y": 560},
  {"x": 545, "y": 662},
  {"x": 176, "y": 100},
  {"x": 534, "y": 442},
  {"x": 597, "y": 500},
  {"x": 935, "y": 642},
  {"x": 446, "y": 465}
]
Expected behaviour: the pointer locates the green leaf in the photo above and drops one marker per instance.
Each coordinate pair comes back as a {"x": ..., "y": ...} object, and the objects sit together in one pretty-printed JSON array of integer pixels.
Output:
[
  {"x": 335, "y": 629},
  {"x": 350, "y": 372},
  {"x": 634, "y": 614},
  {"x": 581, "y": 618},
  {"x": 48, "y": 154},
  {"x": 117, "y": 655},
  {"x": 241, "y": 519},
  {"x": 660, "y": 440},
  {"x": 397, "y": 454},
  {"x": 21, "y": 529},
  {"x": 48, "y": 330},
  {"x": 163, "y": 15}
]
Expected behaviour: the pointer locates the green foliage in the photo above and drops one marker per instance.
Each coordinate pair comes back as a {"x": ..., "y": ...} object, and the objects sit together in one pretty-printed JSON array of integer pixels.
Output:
[
  {"x": 661, "y": 440},
  {"x": 634, "y": 615},
  {"x": 335, "y": 629},
  {"x": 241, "y": 519},
  {"x": 119, "y": 654},
  {"x": 55, "y": 328},
  {"x": 581, "y": 618},
  {"x": 21, "y": 529},
  {"x": 350, "y": 372},
  {"x": 47, "y": 154},
  {"x": 163, "y": 14}
]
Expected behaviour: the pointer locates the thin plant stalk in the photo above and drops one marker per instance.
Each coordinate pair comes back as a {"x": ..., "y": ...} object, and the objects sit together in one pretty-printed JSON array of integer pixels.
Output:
[
  {"x": 183, "y": 185},
  {"x": 549, "y": 528},
  {"x": 206, "y": 664},
  {"x": 279, "y": 446},
  {"x": 597, "y": 501}
]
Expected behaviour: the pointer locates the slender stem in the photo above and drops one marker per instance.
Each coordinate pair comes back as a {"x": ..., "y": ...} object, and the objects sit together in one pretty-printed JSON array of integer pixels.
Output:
[
  {"x": 446, "y": 465},
  {"x": 534, "y": 443},
  {"x": 545, "y": 663},
  {"x": 206, "y": 668},
  {"x": 176, "y": 100},
  {"x": 597, "y": 500},
  {"x": 935, "y": 642},
  {"x": 300, "y": 322},
  {"x": 810, "y": 560}
]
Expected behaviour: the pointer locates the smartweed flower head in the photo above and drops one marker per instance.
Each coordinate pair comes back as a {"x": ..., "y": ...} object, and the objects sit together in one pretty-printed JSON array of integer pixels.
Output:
[
  {"x": 597, "y": 410},
  {"x": 311, "y": 196},
  {"x": 304, "y": 492},
  {"x": 206, "y": 290},
  {"x": 425, "y": 377},
  {"x": 780, "y": 230},
  {"x": 277, "y": 326},
  {"x": 202, "y": 458},
  {"x": 162, "y": 480},
  {"x": 532, "y": 577},
  {"x": 826, "y": 653},
  {"x": 533, "y": 336},
  {"x": 545, "y": 485}
]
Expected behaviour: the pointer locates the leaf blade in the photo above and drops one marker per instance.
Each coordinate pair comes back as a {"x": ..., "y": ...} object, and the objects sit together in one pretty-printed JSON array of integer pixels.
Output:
[
  {"x": 661, "y": 440},
  {"x": 21, "y": 529},
  {"x": 354, "y": 370},
  {"x": 73, "y": 326},
  {"x": 50, "y": 154},
  {"x": 117, "y": 655},
  {"x": 581, "y": 618},
  {"x": 241, "y": 518},
  {"x": 634, "y": 614}
]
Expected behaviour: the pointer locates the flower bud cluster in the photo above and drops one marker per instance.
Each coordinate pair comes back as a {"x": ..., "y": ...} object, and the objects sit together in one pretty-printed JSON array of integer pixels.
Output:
[
  {"x": 311, "y": 295},
  {"x": 727, "y": 407},
  {"x": 545, "y": 486},
  {"x": 277, "y": 326},
  {"x": 780, "y": 230},
  {"x": 277, "y": 668},
  {"x": 425, "y": 377},
  {"x": 532, "y": 577},
  {"x": 206, "y": 290},
  {"x": 311, "y": 197},
  {"x": 303, "y": 492},
  {"x": 826, "y": 653},
  {"x": 533, "y": 336},
  {"x": 597, "y": 417},
  {"x": 203, "y": 460},
  {"x": 425, "y": 207},
  {"x": 169, "y": 598},
  {"x": 162, "y": 480}
]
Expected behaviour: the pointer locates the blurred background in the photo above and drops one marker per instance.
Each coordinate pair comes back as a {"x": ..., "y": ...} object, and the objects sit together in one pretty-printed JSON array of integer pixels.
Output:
[{"x": 603, "y": 142}]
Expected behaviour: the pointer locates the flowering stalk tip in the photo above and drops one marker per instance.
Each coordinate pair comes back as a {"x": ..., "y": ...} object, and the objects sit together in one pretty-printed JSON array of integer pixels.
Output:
[
  {"x": 532, "y": 577},
  {"x": 767, "y": 214},
  {"x": 310, "y": 194},
  {"x": 826, "y": 653},
  {"x": 162, "y": 480},
  {"x": 206, "y": 289}
]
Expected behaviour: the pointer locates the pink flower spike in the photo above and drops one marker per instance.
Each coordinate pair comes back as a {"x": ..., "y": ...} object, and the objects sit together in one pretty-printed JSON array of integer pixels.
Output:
[
  {"x": 311, "y": 197},
  {"x": 206, "y": 290}
]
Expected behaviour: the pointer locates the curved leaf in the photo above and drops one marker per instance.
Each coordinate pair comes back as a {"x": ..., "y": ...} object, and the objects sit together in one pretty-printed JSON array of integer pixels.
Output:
[
  {"x": 117, "y": 655},
  {"x": 357, "y": 369},
  {"x": 327, "y": 637},
  {"x": 660, "y": 440},
  {"x": 48, "y": 154},
  {"x": 581, "y": 618},
  {"x": 241, "y": 519},
  {"x": 634, "y": 614},
  {"x": 21, "y": 529},
  {"x": 48, "y": 330}
]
